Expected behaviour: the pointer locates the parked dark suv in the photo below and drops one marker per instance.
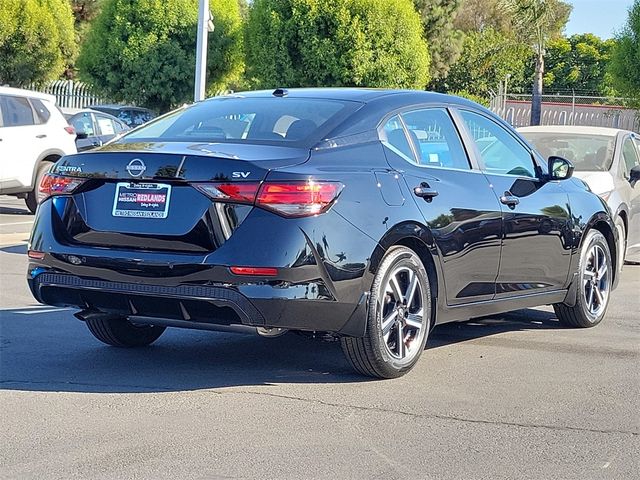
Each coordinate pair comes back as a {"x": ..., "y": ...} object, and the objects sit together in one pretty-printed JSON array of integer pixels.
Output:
[{"x": 367, "y": 215}]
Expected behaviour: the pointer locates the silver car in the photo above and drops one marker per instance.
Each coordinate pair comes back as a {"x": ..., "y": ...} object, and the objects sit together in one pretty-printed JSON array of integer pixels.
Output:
[{"x": 608, "y": 160}]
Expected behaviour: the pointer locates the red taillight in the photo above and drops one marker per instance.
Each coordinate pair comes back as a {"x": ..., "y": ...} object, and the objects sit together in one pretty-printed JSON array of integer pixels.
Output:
[
  {"x": 298, "y": 199},
  {"x": 240, "y": 192},
  {"x": 36, "y": 255},
  {"x": 290, "y": 199},
  {"x": 70, "y": 130},
  {"x": 255, "y": 271},
  {"x": 56, "y": 185}
]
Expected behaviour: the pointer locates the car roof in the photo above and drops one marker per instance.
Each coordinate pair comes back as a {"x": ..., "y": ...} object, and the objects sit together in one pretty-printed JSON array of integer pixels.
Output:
[
  {"x": 76, "y": 111},
  {"x": 113, "y": 106},
  {"x": 357, "y": 94},
  {"x": 20, "y": 92},
  {"x": 573, "y": 129}
]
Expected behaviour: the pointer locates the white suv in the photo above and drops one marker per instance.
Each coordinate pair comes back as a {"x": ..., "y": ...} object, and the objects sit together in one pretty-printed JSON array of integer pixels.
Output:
[{"x": 33, "y": 135}]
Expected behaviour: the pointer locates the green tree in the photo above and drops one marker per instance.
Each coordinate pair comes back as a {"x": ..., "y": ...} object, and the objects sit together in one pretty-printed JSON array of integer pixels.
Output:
[
  {"x": 487, "y": 57},
  {"x": 299, "y": 43},
  {"x": 625, "y": 58},
  {"x": 143, "y": 51},
  {"x": 36, "y": 40},
  {"x": 536, "y": 22},
  {"x": 579, "y": 63},
  {"x": 444, "y": 40},
  {"x": 477, "y": 15}
]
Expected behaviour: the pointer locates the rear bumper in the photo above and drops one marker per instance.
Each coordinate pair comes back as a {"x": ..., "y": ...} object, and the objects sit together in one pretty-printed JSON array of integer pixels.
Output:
[{"x": 201, "y": 305}]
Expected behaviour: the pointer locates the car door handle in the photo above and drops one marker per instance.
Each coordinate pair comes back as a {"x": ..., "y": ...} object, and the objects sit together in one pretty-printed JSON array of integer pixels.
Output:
[
  {"x": 41, "y": 136},
  {"x": 97, "y": 144},
  {"x": 425, "y": 191},
  {"x": 509, "y": 199}
]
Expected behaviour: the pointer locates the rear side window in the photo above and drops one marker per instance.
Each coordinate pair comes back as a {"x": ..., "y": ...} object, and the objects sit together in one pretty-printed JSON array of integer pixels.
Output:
[
  {"x": 396, "y": 137},
  {"x": 16, "y": 111},
  {"x": 249, "y": 120},
  {"x": 42, "y": 113},
  {"x": 437, "y": 140},
  {"x": 83, "y": 123}
]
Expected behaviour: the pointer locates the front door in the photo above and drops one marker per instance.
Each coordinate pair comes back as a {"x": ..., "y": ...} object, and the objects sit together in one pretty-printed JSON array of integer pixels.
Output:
[
  {"x": 456, "y": 202},
  {"x": 536, "y": 244}
]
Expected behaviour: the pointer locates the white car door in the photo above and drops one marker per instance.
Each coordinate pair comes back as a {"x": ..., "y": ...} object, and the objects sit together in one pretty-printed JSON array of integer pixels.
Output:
[
  {"x": 21, "y": 139},
  {"x": 632, "y": 159}
]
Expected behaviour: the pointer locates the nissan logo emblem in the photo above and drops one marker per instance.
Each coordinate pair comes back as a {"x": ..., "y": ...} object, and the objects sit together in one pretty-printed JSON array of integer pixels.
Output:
[{"x": 136, "y": 167}]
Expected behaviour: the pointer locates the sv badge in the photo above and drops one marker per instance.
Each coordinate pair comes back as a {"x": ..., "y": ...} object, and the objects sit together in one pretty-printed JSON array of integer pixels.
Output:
[{"x": 240, "y": 174}]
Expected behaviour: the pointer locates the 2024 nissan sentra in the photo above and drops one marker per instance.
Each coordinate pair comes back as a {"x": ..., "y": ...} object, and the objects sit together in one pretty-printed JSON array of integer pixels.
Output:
[{"x": 368, "y": 215}]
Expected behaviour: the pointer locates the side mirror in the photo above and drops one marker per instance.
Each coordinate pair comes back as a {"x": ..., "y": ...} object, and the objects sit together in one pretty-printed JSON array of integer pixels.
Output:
[
  {"x": 634, "y": 175},
  {"x": 82, "y": 135},
  {"x": 560, "y": 168}
]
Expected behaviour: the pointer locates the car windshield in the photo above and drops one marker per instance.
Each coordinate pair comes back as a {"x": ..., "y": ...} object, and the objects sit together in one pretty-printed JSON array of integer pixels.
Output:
[
  {"x": 261, "y": 120},
  {"x": 588, "y": 153}
]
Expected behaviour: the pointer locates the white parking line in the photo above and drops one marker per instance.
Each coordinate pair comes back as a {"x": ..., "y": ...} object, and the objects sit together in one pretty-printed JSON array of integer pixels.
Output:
[{"x": 15, "y": 223}]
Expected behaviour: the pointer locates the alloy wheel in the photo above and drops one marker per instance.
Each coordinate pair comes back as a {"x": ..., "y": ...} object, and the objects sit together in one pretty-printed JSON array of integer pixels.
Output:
[
  {"x": 596, "y": 281},
  {"x": 402, "y": 321}
]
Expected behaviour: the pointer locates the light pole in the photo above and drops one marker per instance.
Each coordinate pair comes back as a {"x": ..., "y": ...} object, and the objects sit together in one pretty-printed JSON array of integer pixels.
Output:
[{"x": 204, "y": 27}]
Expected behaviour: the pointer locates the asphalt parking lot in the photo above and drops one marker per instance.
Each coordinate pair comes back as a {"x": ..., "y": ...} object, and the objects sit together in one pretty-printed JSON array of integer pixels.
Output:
[{"x": 514, "y": 396}]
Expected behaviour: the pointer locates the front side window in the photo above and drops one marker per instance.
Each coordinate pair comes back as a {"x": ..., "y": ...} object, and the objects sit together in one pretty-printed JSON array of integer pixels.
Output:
[
  {"x": 500, "y": 152},
  {"x": 437, "y": 140},
  {"x": 106, "y": 126},
  {"x": 16, "y": 111}
]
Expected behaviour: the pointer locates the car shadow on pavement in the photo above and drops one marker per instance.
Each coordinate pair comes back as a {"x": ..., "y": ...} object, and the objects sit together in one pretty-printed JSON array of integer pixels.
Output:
[
  {"x": 44, "y": 350},
  {"x": 15, "y": 211},
  {"x": 17, "y": 249}
]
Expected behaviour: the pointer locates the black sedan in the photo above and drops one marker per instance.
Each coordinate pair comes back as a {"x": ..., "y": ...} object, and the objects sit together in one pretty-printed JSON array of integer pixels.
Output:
[
  {"x": 132, "y": 116},
  {"x": 365, "y": 215},
  {"x": 94, "y": 128}
]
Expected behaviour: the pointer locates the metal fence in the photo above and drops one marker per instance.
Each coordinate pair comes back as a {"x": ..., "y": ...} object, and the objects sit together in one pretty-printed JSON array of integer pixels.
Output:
[
  {"x": 568, "y": 110},
  {"x": 71, "y": 94}
]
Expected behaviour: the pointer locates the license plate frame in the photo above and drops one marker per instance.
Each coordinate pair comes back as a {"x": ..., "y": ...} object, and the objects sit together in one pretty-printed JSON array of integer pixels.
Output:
[{"x": 141, "y": 200}]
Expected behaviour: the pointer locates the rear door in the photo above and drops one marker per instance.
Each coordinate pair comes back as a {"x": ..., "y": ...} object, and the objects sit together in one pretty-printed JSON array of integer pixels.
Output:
[
  {"x": 456, "y": 202},
  {"x": 536, "y": 249},
  {"x": 84, "y": 124},
  {"x": 22, "y": 139}
]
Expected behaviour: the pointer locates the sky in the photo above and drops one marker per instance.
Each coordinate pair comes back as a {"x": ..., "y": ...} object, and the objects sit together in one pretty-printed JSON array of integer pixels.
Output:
[{"x": 601, "y": 17}]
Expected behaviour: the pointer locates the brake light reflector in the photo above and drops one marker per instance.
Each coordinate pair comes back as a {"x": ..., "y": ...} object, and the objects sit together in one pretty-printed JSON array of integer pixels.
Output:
[
  {"x": 255, "y": 271},
  {"x": 56, "y": 185},
  {"x": 36, "y": 255},
  {"x": 298, "y": 199}
]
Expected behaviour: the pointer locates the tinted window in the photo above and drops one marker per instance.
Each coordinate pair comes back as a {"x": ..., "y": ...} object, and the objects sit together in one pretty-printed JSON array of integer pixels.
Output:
[
  {"x": 437, "y": 139},
  {"x": 587, "y": 152},
  {"x": 83, "y": 123},
  {"x": 247, "y": 120},
  {"x": 394, "y": 134},
  {"x": 500, "y": 152},
  {"x": 629, "y": 155},
  {"x": 42, "y": 112},
  {"x": 16, "y": 111}
]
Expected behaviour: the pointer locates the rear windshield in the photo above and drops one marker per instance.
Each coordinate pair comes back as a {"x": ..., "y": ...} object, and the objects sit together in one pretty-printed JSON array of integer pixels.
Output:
[
  {"x": 588, "y": 153},
  {"x": 295, "y": 121}
]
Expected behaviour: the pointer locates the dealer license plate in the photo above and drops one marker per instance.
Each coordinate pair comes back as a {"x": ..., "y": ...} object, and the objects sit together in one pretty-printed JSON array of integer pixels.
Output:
[{"x": 141, "y": 200}]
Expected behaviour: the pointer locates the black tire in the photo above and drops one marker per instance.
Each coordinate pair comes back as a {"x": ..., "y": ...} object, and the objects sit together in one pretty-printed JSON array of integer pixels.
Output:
[
  {"x": 374, "y": 355},
  {"x": 120, "y": 332},
  {"x": 584, "y": 313},
  {"x": 31, "y": 200}
]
